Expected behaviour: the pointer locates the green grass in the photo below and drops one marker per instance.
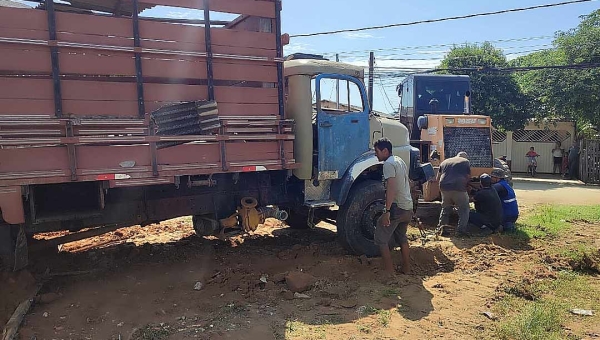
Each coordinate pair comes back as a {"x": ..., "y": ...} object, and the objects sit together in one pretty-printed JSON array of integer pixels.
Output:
[
  {"x": 537, "y": 321},
  {"x": 301, "y": 330},
  {"x": 544, "y": 317},
  {"x": 151, "y": 332},
  {"x": 384, "y": 317},
  {"x": 552, "y": 220},
  {"x": 390, "y": 293}
]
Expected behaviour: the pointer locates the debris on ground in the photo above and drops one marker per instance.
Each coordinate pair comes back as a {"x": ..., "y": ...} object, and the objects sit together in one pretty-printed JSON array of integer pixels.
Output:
[
  {"x": 301, "y": 296},
  {"x": 582, "y": 312},
  {"x": 299, "y": 281},
  {"x": 490, "y": 316},
  {"x": 198, "y": 286}
]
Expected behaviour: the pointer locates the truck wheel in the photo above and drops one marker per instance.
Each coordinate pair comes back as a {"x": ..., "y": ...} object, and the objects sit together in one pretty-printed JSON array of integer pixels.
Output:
[
  {"x": 358, "y": 216},
  {"x": 204, "y": 226}
]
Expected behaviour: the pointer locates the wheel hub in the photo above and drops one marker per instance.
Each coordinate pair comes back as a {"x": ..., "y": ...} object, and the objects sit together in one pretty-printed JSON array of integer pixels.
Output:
[{"x": 370, "y": 217}]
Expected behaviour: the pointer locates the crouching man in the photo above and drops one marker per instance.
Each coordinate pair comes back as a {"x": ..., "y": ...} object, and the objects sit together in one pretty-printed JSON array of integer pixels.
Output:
[
  {"x": 488, "y": 208},
  {"x": 393, "y": 224},
  {"x": 510, "y": 207}
]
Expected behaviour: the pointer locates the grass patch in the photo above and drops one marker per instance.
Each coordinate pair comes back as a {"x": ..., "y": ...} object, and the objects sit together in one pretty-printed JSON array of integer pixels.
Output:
[
  {"x": 390, "y": 292},
  {"x": 366, "y": 311},
  {"x": 152, "y": 332},
  {"x": 552, "y": 220},
  {"x": 537, "y": 321},
  {"x": 300, "y": 330},
  {"x": 584, "y": 258},
  {"x": 545, "y": 316},
  {"x": 364, "y": 329},
  {"x": 384, "y": 317}
]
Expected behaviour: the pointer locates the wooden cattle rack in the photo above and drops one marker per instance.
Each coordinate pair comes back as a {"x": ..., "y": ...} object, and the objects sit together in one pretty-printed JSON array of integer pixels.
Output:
[{"x": 78, "y": 84}]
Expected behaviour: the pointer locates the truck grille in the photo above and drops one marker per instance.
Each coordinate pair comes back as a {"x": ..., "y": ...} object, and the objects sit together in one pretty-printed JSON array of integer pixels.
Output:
[{"x": 476, "y": 142}]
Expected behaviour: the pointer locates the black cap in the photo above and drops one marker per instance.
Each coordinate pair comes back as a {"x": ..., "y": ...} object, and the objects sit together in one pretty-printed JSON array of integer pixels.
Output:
[{"x": 485, "y": 180}]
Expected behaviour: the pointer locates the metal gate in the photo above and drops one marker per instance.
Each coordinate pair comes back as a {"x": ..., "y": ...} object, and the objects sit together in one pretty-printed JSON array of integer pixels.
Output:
[{"x": 589, "y": 161}]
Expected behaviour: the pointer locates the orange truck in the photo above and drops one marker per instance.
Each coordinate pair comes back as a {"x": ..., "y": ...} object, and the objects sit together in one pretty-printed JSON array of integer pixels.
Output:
[{"x": 436, "y": 109}]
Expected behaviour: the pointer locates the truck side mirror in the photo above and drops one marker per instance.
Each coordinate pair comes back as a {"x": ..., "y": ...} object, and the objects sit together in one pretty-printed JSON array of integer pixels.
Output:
[{"x": 399, "y": 89}]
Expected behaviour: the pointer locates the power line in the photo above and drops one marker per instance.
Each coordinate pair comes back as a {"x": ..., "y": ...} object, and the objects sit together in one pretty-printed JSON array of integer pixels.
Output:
[
  {"x": 441, "y": 19},
  {"x": 521, "y": 69},
  {"x": 385, "y": 93},
  {"x": 437, "y": 45},
  {"x": 439, "y": 52}
]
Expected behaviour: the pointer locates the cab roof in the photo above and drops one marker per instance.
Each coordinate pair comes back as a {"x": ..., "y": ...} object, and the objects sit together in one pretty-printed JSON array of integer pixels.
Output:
[{"x": 311, "y": 67}]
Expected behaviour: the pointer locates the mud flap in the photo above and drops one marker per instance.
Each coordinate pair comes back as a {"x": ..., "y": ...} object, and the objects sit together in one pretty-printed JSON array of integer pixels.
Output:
[
  {"x": 13, "y": 248},
  {"x": 21, "y": 251}
]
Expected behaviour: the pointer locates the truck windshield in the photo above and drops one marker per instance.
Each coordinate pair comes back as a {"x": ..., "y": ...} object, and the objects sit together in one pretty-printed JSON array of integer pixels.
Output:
[{"x": 450, "y": 95}]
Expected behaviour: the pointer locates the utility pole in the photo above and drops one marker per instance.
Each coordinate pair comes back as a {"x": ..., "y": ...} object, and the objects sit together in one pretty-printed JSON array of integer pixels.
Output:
[
  {"x": 371, "y": 69},
  {"x": 337, "y": 86}
]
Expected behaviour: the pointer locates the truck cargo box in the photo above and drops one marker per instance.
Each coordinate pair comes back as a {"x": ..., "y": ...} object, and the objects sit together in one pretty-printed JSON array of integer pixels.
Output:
[{"x": 79, "y": 83}]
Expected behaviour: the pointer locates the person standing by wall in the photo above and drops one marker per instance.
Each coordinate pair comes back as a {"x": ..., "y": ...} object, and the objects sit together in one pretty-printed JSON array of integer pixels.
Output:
[
  {"x": 574, "y": 160},
  {"x": 454, "y": 177},
  {"x": 557, "y": 156}
]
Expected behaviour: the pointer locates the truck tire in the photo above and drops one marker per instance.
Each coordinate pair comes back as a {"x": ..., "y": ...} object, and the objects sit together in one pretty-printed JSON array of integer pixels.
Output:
[{"x": 358, "y": 216}]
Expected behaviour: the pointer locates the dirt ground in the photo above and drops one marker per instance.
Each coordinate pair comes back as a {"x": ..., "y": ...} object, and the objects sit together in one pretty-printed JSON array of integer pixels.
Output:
[
  {"x": 163, "y": 282},
  {"x": 555, "y": 191}
]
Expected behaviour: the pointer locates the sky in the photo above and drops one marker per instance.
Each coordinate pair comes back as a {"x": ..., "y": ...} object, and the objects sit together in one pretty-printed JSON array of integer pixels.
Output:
[
  {"x": 306, "y": 16},
  {"x": 416, "y": 47}
]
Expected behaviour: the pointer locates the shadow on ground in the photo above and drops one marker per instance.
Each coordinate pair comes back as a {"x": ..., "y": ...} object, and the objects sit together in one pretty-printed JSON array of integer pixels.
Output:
[{"x": 128, "y": 291}]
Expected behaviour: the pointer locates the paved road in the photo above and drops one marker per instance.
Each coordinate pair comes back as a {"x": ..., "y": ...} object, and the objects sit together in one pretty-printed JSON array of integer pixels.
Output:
[{"x": 542, "y": 191}]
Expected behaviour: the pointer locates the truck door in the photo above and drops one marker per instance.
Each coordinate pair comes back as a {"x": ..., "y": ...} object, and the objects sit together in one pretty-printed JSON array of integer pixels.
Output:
[{"x": 343, "y": 129}]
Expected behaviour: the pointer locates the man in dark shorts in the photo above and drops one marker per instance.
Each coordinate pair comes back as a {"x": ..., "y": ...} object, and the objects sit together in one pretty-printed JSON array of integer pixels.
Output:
[
  {"x": 454, "y": 177},
  {"x": 398, "y": 211},
  {"x": 488, "y": 207}
]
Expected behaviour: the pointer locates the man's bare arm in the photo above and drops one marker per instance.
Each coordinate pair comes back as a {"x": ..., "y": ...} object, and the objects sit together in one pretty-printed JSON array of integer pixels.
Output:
[{"x": 390, "y": 193}]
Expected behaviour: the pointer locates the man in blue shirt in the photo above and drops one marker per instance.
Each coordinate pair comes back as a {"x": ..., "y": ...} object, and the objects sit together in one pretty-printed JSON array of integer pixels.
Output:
[{"x": 510, "y": 207}]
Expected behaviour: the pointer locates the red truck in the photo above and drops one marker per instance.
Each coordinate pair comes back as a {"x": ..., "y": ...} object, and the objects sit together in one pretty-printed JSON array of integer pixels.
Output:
[{"x": 109, "y": 118}]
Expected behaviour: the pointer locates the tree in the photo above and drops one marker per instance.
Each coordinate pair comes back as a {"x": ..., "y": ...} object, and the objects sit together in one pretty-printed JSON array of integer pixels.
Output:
[
  {"x": 495, "y": 94},
  {"x": 542, "y": 87},
  {"x": 571, "y": 93}
]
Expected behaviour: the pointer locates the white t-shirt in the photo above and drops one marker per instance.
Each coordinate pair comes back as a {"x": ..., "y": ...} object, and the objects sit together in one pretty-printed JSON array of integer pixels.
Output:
[
  {"x": 557, "y": 153},
  {"x": 394, "y": 169}
]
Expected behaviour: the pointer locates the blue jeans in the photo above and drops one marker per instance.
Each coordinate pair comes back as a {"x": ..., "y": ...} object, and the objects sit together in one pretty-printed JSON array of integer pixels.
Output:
[{"x": 479, "y": 220}]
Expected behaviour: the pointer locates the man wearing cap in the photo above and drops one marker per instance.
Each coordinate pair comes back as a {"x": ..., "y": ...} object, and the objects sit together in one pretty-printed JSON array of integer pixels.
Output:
[
  {"x": 510, "y": 207},
  {"x": 454, "y": 177},
  {"x": 488, "y": 208}
]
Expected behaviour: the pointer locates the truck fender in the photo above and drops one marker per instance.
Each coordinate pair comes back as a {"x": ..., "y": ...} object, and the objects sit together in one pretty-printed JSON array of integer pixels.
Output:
[
  {"x": 341, "y": 188},
  {"x": 11, "y": 205}
]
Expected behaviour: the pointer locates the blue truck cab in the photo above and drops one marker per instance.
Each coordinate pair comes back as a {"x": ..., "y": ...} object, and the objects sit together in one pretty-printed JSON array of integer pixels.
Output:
[{"x": 334, "y": 146}]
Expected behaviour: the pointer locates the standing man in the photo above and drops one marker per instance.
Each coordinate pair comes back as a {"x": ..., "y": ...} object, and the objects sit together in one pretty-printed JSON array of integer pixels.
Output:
[
  {"x": 398, "y": 206},
  {"x": 574, "y": 160},
  {"x": 510, "y": 207},
  {"x": 454, "y": 177}
]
